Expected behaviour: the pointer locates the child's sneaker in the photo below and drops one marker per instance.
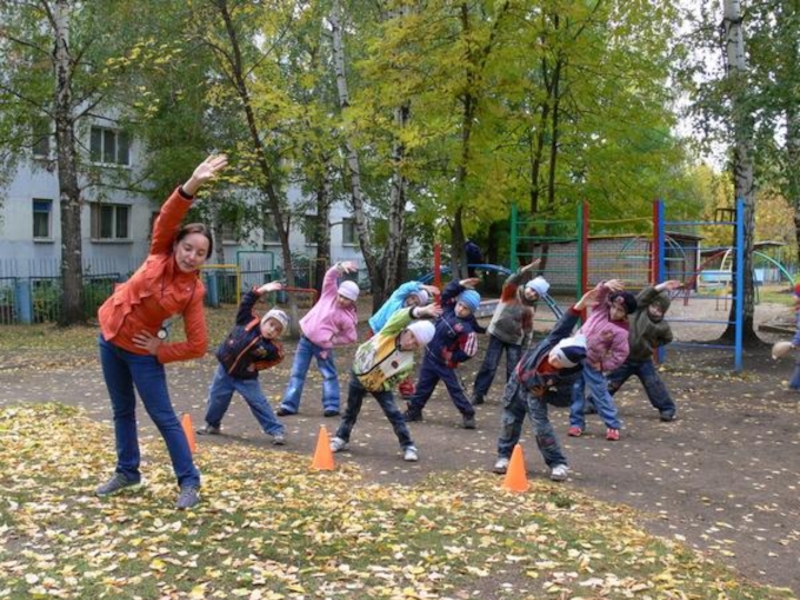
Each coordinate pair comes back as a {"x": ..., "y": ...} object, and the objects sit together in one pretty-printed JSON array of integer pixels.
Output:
[
  {"x": 612, "y": 435},
  {"x": 574, "y": 431},
  {"x": 468, "y": 422},
  {"x": 278, "y": 439},
  {"x": 559, "y": 473},
  {"x": 209, "y": 430},
  {"x": 412, "y": 414},
  {"x": 338, "y": 444},
  {"x": 501, "y": 466},
  {"x": 666, "y": 416},
  {"x": 411, "y": 454}
]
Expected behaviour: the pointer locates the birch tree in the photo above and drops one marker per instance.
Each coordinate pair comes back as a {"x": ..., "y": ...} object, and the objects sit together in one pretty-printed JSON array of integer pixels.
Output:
[
  {"x": 742, "y": 155},
  {"x": 54, "y": 78}
]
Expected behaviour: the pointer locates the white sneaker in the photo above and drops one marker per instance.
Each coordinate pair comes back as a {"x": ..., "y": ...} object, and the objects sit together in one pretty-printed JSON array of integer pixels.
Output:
[
  {"x": 559, "y": 473},
  {"x": 501, "y": 466},
  {"x": 338, "y": 444},
  {"x": 411, "y": 454}
]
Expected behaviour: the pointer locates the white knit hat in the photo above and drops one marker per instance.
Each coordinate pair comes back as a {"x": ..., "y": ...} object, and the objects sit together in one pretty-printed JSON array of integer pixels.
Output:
[
  {"x": 421, "y": 295},
  {"x": 539, "y": 285},
  {"x": 277, "y": 314},
  {"x": 423, "y": 331},
  {"x": 570, "y": 350},
  {"x": 349, "y": 289}
]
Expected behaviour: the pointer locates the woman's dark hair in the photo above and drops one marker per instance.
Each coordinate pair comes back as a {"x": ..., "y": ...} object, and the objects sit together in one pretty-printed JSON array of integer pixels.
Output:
[{"x": 196, "y": 228}]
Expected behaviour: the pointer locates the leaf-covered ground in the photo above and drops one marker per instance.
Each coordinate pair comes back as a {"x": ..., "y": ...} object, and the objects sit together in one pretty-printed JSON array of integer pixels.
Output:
[
  {"x": 270, "y": 528},
  {"x": 723, "y": 479}
]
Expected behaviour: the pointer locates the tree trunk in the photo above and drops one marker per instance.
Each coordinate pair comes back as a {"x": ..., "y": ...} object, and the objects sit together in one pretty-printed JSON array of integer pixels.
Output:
[
  {"x": 393, "y": 272},
  {"x": 272, "y": 199},
  {"x": 742, "y": 163},
  {"x": 793, "y": 172},
  {"x": 323, "y": 230},
  {"x": 351, "y": 156},
  {"x": 69, "y": 190}
]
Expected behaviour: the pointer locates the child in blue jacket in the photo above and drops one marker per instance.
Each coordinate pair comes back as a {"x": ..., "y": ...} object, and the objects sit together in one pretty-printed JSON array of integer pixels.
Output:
[
  {"x": 252, "y": 346},
  {"x": 455, "y": 341}
]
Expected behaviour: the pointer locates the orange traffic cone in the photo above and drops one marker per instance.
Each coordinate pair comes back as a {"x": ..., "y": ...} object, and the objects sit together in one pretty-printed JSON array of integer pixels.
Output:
[
  {"x": 323, "y": 457},
  {"x": 516, "y": 479},
  {"x": 186, "y": 421}
]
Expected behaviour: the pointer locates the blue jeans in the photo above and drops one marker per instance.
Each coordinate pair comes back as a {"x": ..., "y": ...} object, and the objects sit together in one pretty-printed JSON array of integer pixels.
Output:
[
  {"x": 655, "y": 389},
  {"x": 355, "y": 399},
  {"x": 430, "y": 373},
  {"x": 123, "y": 371},
  {"x": 517, "y": 400},
  {"x": 306, "y": 350},
  {"x": 494, "y": 353},
  {"x": 221, "y": 391},
  {"x": 598, "y": 389}
]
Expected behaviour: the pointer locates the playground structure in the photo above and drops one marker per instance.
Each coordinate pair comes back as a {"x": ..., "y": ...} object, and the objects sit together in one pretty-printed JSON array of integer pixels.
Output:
[{"x": 573, "y": 259}]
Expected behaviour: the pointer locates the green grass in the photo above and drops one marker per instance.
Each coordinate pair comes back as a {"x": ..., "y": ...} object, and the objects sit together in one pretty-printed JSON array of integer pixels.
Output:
[{"x": 268, "y": 527}]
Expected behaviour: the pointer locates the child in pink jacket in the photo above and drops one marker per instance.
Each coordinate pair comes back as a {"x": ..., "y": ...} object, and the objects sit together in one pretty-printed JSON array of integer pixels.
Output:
[
  {"x": 606, "y": 332},
  {"x": 330, "y": 322}
]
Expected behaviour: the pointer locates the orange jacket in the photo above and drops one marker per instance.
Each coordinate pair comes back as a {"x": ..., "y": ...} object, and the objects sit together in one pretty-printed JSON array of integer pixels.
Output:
[{"x": 157, "y": 291}]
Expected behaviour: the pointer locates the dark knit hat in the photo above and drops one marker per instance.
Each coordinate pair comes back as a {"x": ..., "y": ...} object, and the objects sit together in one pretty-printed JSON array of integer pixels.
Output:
[{"x": 628, "y": 300}]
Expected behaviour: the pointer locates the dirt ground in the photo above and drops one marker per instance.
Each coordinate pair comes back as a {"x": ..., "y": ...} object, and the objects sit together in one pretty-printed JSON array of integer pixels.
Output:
[{"x": 724, "y": 477}]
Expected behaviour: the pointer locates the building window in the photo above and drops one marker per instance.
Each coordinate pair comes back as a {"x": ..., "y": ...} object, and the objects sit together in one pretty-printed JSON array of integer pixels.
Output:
[
  {"x": 109, "y": 147},
  {"x": 230, "y": 232},
  {"x": 41, "y": 138},
  {"x": 310, "y": 225},
  {"x": 110, "y": 222},
  {"x": 42, "y": 219},
  {"x": 270, "y": 232},
  {"x": 349, "y": 234}
]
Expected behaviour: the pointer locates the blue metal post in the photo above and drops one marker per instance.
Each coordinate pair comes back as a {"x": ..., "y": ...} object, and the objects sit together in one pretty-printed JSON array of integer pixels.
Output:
[
  {"x": 739, "y": 301},
  {"x": 24, "y": 301},
  {"x": 661, "y": 260}
]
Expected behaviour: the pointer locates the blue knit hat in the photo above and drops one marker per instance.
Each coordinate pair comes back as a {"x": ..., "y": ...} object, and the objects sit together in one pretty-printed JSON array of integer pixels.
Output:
[{"x": 471, "y": 299}]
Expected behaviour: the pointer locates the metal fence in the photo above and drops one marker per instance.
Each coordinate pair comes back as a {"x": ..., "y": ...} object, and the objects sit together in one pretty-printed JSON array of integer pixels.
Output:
[{"x": 26, "y": 300}]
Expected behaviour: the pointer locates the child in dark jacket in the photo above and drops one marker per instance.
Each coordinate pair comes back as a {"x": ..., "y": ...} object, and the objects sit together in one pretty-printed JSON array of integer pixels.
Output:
[
  {"x": 544, "y": 376},
  {"x": 252, "y": 346},
  {"x": 454, "y": 342},
  {"x": 649, "y": 331}
]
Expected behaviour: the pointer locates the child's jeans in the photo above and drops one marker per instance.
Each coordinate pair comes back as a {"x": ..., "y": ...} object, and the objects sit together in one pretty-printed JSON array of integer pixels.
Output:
[
  {"x": 220, "y": 394},
  {"x": 430, "y": 373},
  {"x": 355, "y": 399},
  {"x": 598, "y": 389},
  {"x": 306, "y": 350},
  {"x": 491, "y": 361},
  {"x": 517, "y": 401},
  {"x": 655, "y": 389}
]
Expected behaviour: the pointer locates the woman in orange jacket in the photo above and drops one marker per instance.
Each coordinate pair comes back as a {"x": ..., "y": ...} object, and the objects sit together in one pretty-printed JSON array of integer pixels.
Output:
[{"x": 134, "y": 331}]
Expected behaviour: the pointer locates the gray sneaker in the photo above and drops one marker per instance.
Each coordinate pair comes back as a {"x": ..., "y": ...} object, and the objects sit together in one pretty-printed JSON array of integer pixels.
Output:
[
  {"x": 188, "y": 497},
  {"x": 559, "y": 473},
  {"x": 411, "y": 454},
  {"x": 115, "y": 485},
  {"x": 468, "y": 422},
  {"x": 209, "y": 430},
  {"x": 501, "y": 466},
  {"x": 338, "y": 444},
  {"x": 278, "y": 439}
]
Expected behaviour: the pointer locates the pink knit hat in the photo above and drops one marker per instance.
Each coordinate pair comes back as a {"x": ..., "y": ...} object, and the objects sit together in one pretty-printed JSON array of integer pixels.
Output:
[{"x": 349, "y": 289}]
